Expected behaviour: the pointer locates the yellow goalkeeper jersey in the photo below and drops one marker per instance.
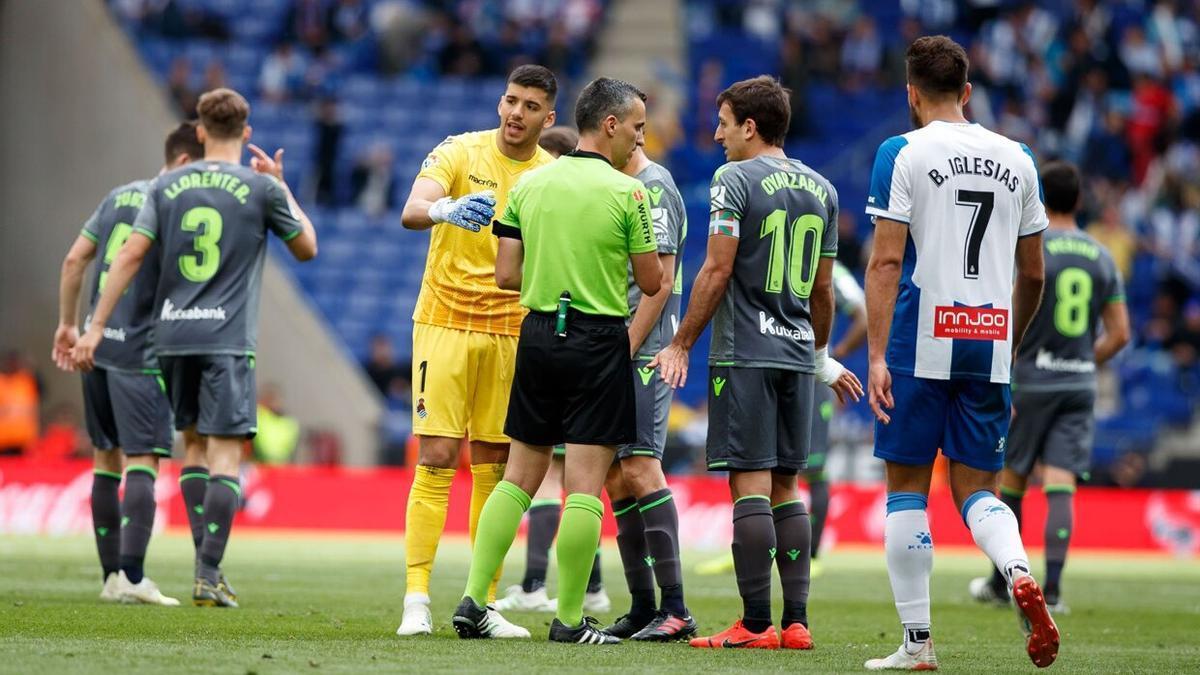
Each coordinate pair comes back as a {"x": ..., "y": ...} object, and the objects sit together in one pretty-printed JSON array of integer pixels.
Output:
[{"x": 459, "y": 289}]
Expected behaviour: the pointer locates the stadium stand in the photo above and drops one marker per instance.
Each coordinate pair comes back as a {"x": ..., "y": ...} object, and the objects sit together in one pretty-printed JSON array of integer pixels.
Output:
[{"x": 359, "y": 90}]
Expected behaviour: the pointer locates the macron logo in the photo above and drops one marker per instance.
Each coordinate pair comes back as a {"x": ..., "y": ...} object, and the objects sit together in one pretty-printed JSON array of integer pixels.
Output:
[
  {"x": 170, "y": 313},
  {"x": 766, "y": 326}
]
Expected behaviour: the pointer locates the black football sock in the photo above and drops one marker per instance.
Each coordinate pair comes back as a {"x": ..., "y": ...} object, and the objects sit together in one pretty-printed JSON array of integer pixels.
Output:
[
  {"x": 753, "y": 552},
  {"x": 793, "y": 535},
  {"x": 543, "y": 526},
  {"x": 193, "y": 483},
  {"x": 1013, "y": 499},
  {"x": 595, "y": 583},
  {"x": 137, "y": 521},
  {"x": 220, "y": 504},
  {"x": 631, "y": 543},
  {"x": 106, "y": 520},
  {"x": 660, "y": 522},
  {"x": 1060, "y": 517},
  {"x": 818, "y": 490}
]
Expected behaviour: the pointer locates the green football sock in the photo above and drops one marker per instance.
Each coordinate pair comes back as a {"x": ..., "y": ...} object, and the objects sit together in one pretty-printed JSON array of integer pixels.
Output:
[
  {"x": 498, "y": 523},
  {"x": 578, "y": 537}
]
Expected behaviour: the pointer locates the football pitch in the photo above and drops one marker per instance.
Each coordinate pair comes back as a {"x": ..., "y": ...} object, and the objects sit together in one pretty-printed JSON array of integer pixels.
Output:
[{"x": 321, "y": 603}]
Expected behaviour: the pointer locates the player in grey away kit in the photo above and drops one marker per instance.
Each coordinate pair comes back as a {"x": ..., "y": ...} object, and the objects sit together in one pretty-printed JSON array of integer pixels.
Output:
[
  {"x": 125, "y": 407},
  {"x": 772, "y": 240},
  {"x": 647, "y": 522},
  {"x": 210, "y": 219},
  {"x": 1054, "y": 377}
]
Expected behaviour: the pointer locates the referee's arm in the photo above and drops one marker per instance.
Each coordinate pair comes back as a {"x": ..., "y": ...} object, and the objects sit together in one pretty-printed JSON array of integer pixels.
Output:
[{"x": 509, "y": 258}]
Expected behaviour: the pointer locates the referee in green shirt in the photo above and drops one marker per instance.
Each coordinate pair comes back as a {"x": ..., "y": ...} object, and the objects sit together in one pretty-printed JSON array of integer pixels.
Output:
[{"x": 567, "y": 238}]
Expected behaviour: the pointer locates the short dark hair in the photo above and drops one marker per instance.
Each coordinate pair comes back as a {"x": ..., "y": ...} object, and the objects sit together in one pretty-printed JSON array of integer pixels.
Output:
[
  {"x": 763, "y": 100},
  {"x": 559, "y": 140},
  {"x": 538, "y": 77},
  {"x": 1060, "y": 185},
  {"x": 602, "y": 97},
  {"x": 223, "y": 113},
  {"x": 183, "y": 140},
  {"x": 937, "y": 65}
]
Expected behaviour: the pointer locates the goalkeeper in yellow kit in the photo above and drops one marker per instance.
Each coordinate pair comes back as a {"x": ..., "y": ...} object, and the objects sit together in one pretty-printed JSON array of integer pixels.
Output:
[{"x": 465, "y": 332}]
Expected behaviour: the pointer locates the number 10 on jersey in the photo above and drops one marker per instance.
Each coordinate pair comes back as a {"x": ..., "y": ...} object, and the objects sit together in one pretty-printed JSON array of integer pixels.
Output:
[{"x": 800, "y": 258}]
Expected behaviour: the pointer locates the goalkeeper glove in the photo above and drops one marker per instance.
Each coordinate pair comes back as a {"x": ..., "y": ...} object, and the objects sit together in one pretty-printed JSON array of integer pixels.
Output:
[{"x": 471, "y": 212}]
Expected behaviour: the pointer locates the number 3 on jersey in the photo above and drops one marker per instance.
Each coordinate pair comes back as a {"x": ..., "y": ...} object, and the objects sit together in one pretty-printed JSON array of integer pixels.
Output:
[
  {"x": 206, "y": 222},
  {"x": 801, "y": 257}
]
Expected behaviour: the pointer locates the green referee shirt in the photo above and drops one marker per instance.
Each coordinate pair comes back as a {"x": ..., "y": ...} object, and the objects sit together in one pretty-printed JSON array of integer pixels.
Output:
[{"x": 579, "y": 219}]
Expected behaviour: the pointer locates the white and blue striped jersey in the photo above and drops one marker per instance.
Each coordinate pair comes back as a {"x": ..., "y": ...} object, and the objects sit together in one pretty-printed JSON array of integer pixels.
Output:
[{"x": 966, "y": 194}]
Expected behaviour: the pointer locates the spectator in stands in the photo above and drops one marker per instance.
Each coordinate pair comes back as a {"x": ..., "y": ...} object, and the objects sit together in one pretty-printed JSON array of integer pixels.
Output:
[
  {"x": 1153, "y": 110},
  {"x": 306, "y": 23},
  {"x": 214, "y": 75},
  {"x": 1112, "y": 233},
  {"x": 373, "y": 180},
  {"x": 850, "y": 247},
  {"x": 346, "y": 20},
  {"x": 401, "y": 31},
  {"x": 381, "y": 365},
  {"x": 278, "y": 434},
  {"x": 463, "y": 55},
  {"x": 20, "y": 394},
  {"x": 862, "y": 54},
  {"x": 179, "y": 84},
  {"x": 330, "y": 130},
  {"x": 1105, "y": 154},
  {"x": 1138, "y": 54},
  {"x": 1184, "y": 340},
  {"x": 282, "y": 73}
]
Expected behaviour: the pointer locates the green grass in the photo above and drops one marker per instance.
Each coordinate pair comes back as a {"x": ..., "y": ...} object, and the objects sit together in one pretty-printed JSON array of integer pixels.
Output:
[{"x": 332, "y": 604}]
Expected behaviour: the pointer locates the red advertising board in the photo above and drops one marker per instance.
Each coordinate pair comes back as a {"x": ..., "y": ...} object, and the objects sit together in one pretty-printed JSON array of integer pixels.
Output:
[{"x": 53, "y": 499}]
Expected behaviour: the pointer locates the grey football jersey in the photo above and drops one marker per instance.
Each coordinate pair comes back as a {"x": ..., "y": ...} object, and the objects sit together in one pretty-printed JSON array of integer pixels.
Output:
[
  {"x": 1081, "y": 278},
  {"x": 128, "y": 335},
  {"x": 670, "y": 229},
  {"x": 784, "y": 215},
  {"x": 211, "y": 221}
]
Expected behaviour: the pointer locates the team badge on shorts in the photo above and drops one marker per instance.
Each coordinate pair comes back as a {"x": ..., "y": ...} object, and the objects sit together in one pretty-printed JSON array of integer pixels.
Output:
[{"x": 421, "y": 411}]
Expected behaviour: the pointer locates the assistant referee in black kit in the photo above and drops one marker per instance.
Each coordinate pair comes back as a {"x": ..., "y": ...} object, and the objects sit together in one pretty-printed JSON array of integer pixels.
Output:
[{"x": 567, "y": 238}]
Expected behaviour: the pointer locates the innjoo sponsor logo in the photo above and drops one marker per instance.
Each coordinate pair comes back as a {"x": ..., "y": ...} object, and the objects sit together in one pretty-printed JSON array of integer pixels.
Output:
[{"x": 970, "y": 323}]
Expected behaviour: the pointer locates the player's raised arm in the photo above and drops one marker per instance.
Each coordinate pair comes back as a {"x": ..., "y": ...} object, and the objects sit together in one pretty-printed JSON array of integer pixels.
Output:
[
  {"x": 883, "y": 282},
  {"x": 70, "y": 281},
  {"x": 285, "y": 216}
]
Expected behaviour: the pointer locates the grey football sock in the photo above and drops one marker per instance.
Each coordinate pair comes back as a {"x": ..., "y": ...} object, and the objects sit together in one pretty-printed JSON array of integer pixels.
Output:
[
  {"x": 631, "y": 543},
  {"x": 106, "y": 520},
  {"x": 661, "y": 524},
  {"x": 543, "y": 525},
  {"x": 193, "y": 484},
  {"x": 220, "y": 505},
  {"x": 818, "y": 490},
  {"x": 1060, "y": 518},
  {"x": 754, "y": 549},
  {"x": 793, "y": 534},
  {"x": 137, "y": 521}
]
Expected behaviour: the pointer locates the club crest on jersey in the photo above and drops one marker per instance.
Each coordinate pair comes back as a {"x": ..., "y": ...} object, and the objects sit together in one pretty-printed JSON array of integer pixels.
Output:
[
  {"x": 429, "y": 161},
  {"x": 970, "y": 323},
  {"x": 421, "y": 411}
]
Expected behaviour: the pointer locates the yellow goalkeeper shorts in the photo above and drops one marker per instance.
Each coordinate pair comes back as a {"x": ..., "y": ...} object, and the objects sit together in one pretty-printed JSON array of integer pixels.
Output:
[{"x": 461, "y": 381}]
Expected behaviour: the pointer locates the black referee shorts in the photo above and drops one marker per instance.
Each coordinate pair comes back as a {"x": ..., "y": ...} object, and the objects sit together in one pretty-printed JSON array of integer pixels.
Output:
[{"x": 573, "y": 389}]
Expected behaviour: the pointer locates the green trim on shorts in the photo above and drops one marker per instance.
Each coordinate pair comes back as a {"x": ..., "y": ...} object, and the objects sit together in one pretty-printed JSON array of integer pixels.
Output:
[
  {"x": 625, "y": 510},
  {"x": 231, "y": 485},
  {"x": 828, "y": 254},
  {"x": 656, "y": 502},
  {"x": 724, "y": 364},
  {"x": 163, "y": 452},
  {"x": 544, "y": 502},
  {"x": 110, "y": 474},
  {"x": 718, "y": 465},
  {"x": 144, "y": 469},
  {"x": 792, "y": 501},
  {"x": 1009, "y": 492},
  {"x": 151, "y": 371},
  {"x": 739, "y": 500},
  {"x": 192, "y": 476},
  {"x": 1058, "y": 488},
  {"x": 643, "y": 452}
]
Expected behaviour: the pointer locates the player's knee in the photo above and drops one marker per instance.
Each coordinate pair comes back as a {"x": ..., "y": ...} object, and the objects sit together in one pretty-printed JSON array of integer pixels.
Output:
[
  {"x": 783, "y": 487},
  {"x": 483, "y": 452},
  {"x": 437, "y": 452},
  {"x": 107, "y": 460},
  {"x": 643, "y": 475}
]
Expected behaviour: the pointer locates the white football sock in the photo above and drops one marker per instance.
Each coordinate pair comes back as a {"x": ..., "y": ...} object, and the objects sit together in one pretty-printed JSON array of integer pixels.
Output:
[
  {"x": 909, "y": 547},
  {"x": 996, "y": 533}
]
